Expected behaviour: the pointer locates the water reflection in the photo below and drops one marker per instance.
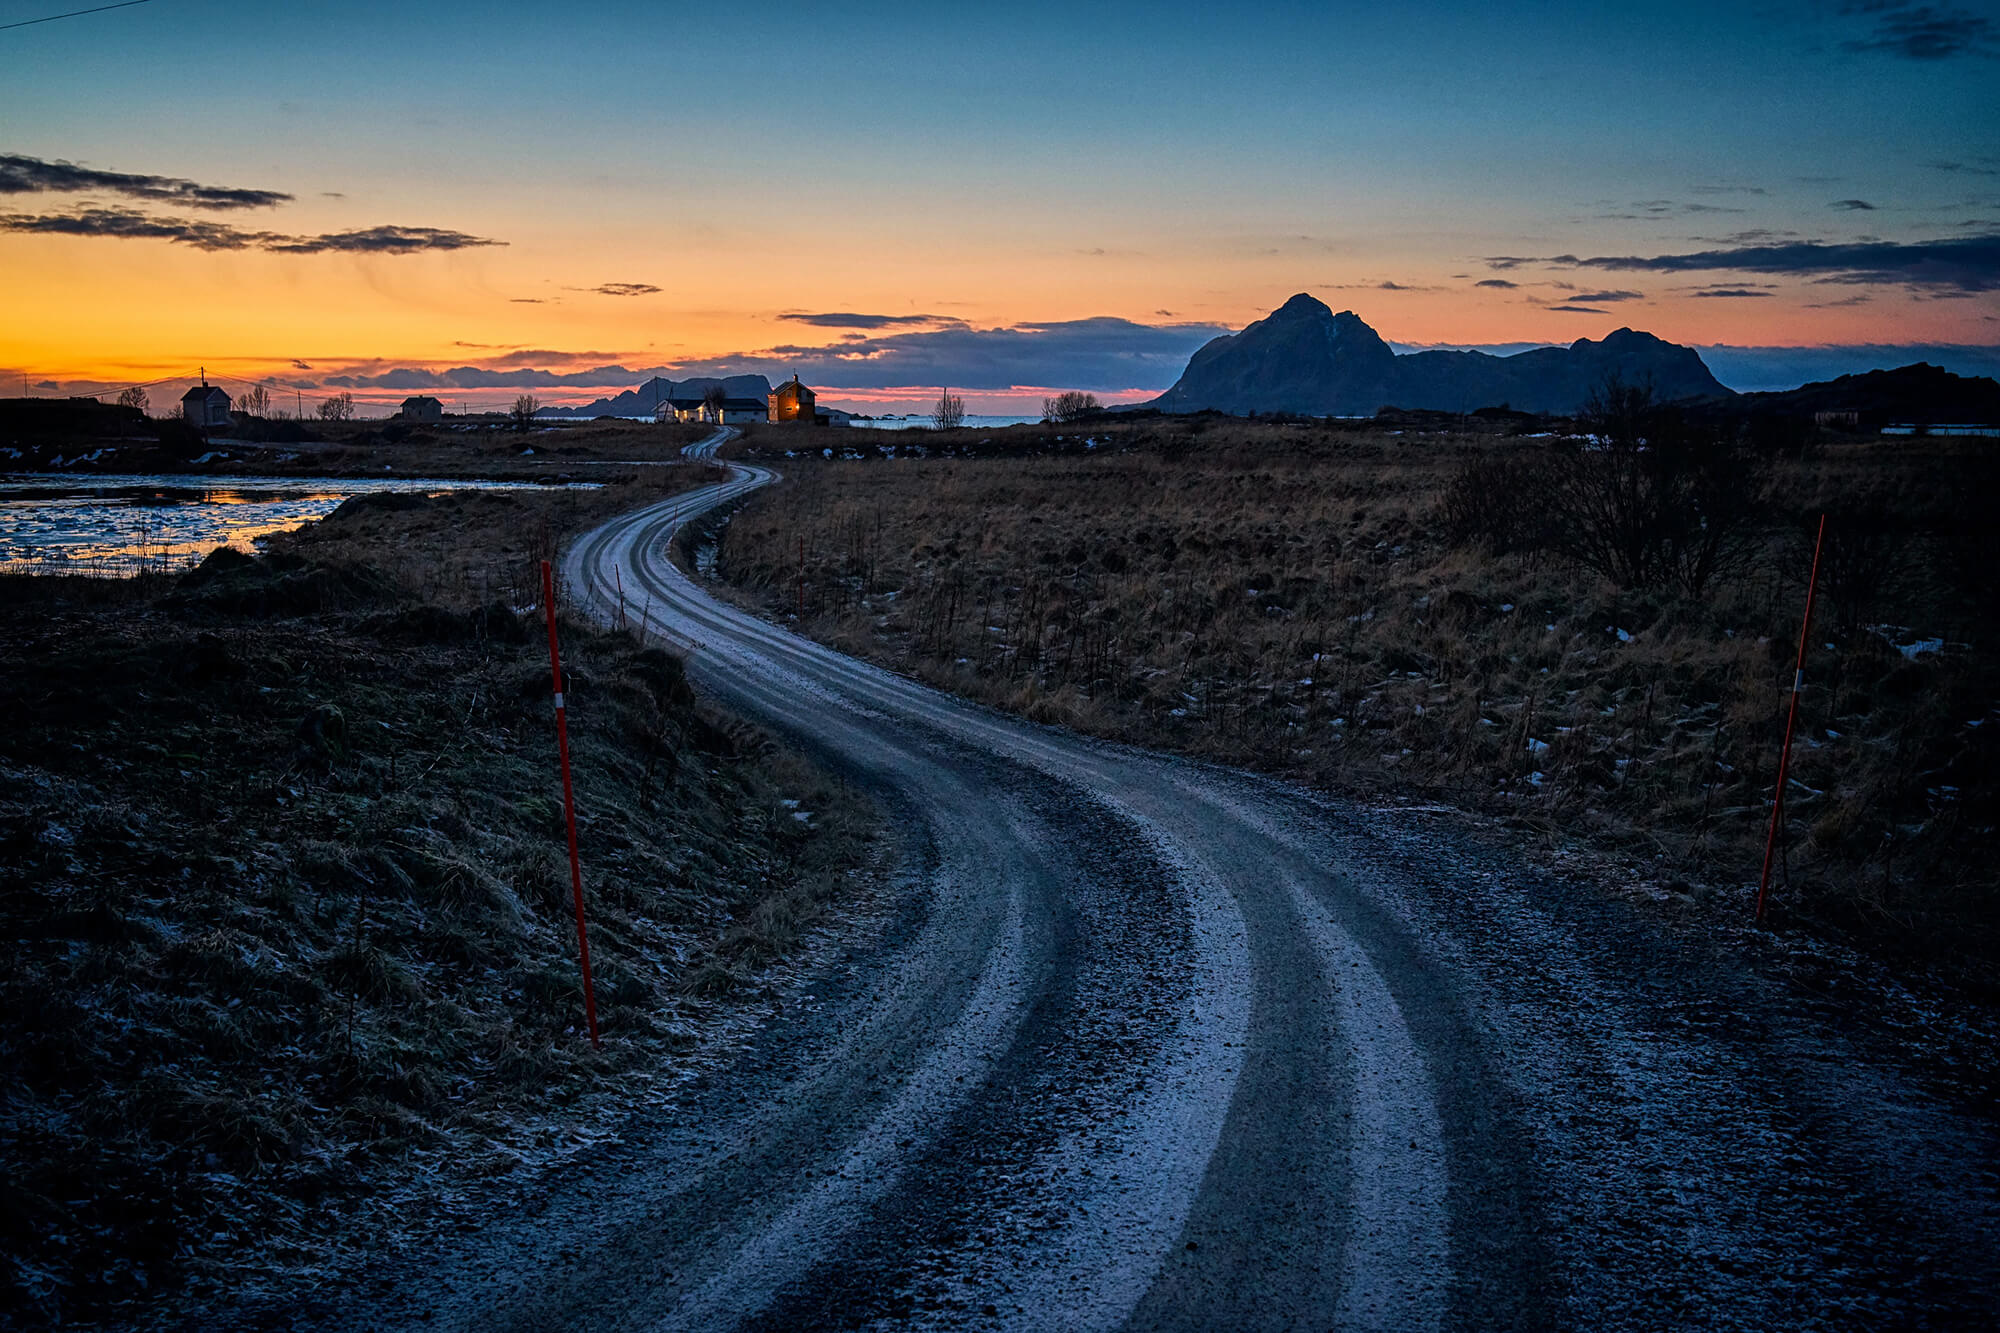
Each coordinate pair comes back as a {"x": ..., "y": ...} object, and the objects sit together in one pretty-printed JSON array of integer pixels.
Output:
[{"x": 114, "y": 525}]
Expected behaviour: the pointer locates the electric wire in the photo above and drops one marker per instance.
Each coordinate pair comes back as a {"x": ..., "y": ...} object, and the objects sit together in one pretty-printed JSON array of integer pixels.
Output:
[{"x": 74, "y": 13}]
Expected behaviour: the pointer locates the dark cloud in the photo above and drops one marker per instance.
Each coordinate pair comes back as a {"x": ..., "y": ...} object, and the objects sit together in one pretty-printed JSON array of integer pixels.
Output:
[
  {"x": 526, "y": 300},
  {"x": 1501, "y": 283},
  {"x": 1965, "y": 169},
  {"x": 490, "y": 377},
  {"x": 1102, "y": 355},
  {"x": 627, "y": 289},
  {"x": 1853, "y": 205},
  {"x": 126, "y": 224},
  {"x": 1966, "y": 264},
  {"x": 1729, "y": 292},
  {"x": 1577, "y": 310},
  {"x": 844, "y": 319},
  {"x": 1604, "y": 298},
  {"x": 1729, "y": 189},
  {"x": 301, "y": 365},
  {"x": 1385, "y": 285},
  {"x": 382, "y": 241},
  {"x": 1923, "y": 32},
  {"x": 31, "y": 175},
  {"x": 1648, "y": 209},
  {"x": 1507, "y": 263}
]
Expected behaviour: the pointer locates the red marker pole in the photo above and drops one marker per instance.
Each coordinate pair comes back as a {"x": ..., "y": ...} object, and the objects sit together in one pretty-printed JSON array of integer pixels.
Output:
[
  {"x": 1791, "y": 721},
  {"x": 569, "y": 804}
]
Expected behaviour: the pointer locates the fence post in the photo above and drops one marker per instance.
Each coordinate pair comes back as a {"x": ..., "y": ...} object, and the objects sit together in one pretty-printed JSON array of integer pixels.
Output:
[
  {"x": 1791, "y": 721},
  {"x": 569, "y": 804}
]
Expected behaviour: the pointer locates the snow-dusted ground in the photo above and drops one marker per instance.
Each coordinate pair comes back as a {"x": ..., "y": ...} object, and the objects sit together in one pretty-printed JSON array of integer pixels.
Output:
[{"x": 1143, "y": 1041}]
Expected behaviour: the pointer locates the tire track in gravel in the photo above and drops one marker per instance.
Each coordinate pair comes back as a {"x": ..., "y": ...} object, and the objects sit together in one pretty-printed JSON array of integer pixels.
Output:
[{"x": 1285, "y": 1124}]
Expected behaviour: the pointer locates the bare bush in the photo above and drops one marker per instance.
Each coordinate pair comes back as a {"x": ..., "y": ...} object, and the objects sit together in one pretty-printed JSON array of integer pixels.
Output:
[
  {"x": 948, "y": 413},
  {"x": 1648, "y": 502},
  {"x": 340, "y": 407},
  {"x": 134, "y": 397},
  {"x": 255, "y": 401},
  {"x": 1070, "y": 406},
  {"x": 523, "y": 411}
]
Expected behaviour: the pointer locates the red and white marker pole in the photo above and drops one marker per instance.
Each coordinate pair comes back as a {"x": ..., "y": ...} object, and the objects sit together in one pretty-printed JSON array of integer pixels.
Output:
[
  {"x": 1791, "y": 721},
  {"x": 569, "y": 804}
]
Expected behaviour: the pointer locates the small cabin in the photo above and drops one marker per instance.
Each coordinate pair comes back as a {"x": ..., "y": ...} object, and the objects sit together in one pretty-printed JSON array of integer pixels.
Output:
[
  {"x": 793, "y": 401},
  {"x": 743, "y": 411},
  {"x": 205, "y": 407},
  {"x": 422, "y": 407}
]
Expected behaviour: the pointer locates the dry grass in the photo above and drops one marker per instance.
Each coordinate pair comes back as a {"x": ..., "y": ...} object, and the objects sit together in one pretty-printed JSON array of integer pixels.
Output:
[
  {"x": 467, "y": 548},
  {"x": 373, "y": 448},
  {"x": 1287, "y": 596},
  {"x": 287, "y": 939}
]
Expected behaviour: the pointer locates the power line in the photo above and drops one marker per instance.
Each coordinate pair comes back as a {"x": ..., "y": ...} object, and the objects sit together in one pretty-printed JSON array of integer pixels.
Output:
[{"x": 74, "y": 13}]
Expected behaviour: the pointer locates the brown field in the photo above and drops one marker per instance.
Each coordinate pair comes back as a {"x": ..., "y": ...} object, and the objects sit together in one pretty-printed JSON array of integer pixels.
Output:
[
  {"x": 1304, "y": 599},
  {"x": 367, "y": 448}
]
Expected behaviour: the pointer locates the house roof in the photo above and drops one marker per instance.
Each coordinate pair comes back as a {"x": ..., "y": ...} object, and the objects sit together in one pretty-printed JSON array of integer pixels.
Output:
[
  {"x": 204, "y": 392},
  {"x": 683, "y": 404},
  {"x": 419, "y": 398},
  {"x": 743, "y": 405}
]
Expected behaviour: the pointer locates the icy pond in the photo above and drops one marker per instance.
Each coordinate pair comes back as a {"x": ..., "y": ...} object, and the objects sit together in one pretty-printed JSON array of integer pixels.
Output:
[{"x": 117, "y": 525}]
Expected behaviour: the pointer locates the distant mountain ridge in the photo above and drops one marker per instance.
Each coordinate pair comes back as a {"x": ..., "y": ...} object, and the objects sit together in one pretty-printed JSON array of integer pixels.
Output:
[
  {"x": 645, "y": 400},
  {"x": 1920, "y": 393},
  {"x": 1303, "y": 358}
]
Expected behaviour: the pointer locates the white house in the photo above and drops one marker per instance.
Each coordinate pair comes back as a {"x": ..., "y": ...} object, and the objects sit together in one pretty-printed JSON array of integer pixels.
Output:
[
  {"x": 205, "y": 407},
  {"x": 732, "y": 412}
]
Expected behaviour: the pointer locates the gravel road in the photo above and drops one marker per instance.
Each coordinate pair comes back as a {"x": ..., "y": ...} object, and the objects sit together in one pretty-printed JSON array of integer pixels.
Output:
[{"x": 1144, "y": 1042}]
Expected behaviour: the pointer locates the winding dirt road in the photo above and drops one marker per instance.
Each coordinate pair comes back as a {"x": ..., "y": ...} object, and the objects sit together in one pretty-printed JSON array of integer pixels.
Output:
[{"x": 1149, "y": 1043}]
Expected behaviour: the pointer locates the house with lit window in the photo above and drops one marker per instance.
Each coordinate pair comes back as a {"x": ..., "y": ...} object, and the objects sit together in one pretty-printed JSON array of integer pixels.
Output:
[{"x": 793, "y": 401}]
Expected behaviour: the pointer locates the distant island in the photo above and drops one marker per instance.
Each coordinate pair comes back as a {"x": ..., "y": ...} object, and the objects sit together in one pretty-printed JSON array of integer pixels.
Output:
[
  {"x": 645, "y": 399},
  {"x": 1304, "y": 359}
]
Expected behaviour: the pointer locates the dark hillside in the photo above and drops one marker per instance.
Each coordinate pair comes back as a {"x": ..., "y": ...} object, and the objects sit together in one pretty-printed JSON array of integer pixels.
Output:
[{"x": 1920, "y": 394}]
